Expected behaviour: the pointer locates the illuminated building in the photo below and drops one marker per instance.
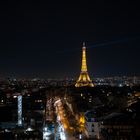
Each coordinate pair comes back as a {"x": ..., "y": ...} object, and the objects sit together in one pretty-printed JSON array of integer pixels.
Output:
[
  {"x": 19, "y": 110},
  {"x": 92, "y": 125},
  {"x": 84, "y": 79}
]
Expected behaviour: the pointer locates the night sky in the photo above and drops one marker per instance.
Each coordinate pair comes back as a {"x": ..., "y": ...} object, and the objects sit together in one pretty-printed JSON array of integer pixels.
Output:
[{"x": 45, "y": 39}]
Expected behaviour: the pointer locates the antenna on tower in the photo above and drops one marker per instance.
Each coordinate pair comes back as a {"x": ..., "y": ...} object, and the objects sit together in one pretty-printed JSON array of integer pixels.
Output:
[{"x": 84, "y": 44}]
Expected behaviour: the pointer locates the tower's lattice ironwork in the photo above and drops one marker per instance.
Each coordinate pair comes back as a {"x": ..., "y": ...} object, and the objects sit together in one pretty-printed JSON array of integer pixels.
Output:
[{"x": 84, "y": 79}]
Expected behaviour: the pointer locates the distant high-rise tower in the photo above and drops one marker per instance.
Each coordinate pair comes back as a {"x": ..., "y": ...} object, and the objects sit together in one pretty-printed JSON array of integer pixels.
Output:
[
  {"x": 84, "y": 79},
  {"x": 20, "y": 110}
]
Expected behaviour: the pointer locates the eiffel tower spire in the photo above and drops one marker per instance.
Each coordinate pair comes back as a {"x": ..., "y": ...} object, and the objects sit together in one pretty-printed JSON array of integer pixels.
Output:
[
  {"x": 84, "y": 79},
  {"x": 84, "y": 63}
]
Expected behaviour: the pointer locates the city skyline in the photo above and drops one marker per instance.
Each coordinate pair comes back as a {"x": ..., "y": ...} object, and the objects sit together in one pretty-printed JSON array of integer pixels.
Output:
[{"x": 45, "y": 39}]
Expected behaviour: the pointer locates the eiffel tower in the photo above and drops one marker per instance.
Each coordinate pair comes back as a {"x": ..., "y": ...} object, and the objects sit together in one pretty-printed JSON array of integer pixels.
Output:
[{"x": 84, "y": 79}]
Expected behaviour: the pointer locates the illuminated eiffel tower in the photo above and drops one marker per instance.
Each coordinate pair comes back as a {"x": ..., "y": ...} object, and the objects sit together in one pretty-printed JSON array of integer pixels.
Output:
[{"x": 84, "y": 79}]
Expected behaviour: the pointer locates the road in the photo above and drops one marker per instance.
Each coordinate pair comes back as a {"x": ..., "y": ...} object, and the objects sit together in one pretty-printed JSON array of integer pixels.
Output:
[
  {"x": 65, "y": 130},
  {"x": 65, "y": 127}
]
